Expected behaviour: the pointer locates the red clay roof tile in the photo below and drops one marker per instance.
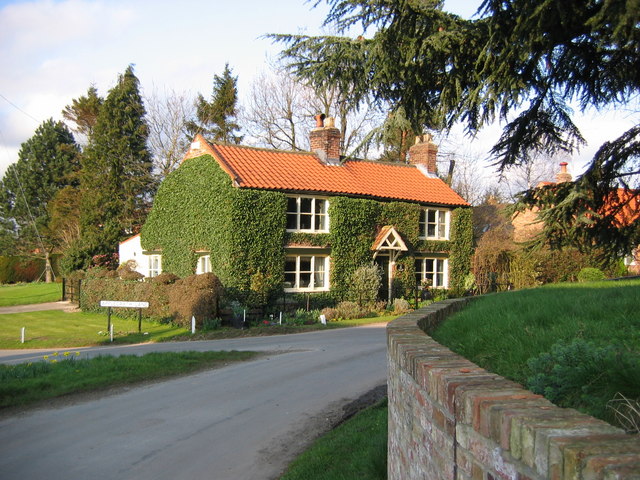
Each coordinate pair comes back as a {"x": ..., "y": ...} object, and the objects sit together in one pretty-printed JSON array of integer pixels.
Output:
[{"x": 304, "y": 172}]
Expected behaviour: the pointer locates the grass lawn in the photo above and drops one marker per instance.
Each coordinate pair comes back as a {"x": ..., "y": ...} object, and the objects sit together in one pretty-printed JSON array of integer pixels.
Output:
[
  {"x": 28, "y": 293},
  {"x": 58, "y": 329},
  {"x": 61, "y": 374},
  {"x": 260, "y": 330},
  {"x": 355, "y": 449},
  {"x": 578, "y": 343}
]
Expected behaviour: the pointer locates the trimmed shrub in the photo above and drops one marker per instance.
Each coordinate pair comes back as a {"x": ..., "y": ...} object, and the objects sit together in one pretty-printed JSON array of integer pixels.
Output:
[
  {"x": 165, "y": 278},
  {"x": 349, "y": 310},
  {"x": 17, "y": 269},
  {"x": 197, "y": 295},
  {"x": 365, "y": 284},
  {"x": 590, "y": 274},
  {"x": 400, "y": 306}
]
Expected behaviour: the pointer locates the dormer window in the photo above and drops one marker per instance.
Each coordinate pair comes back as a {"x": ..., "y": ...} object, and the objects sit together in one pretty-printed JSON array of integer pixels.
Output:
[
  {"x": 434, "y": 224},
  {"x": 307, "y": 214}
]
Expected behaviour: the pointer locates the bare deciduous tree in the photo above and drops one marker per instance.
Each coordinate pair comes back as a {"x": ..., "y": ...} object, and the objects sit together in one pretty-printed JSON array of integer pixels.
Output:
[
  {"x": 280, "y": 112},
  {"x": 518, "y": 178},
  {"x": 167, "y": 115}
]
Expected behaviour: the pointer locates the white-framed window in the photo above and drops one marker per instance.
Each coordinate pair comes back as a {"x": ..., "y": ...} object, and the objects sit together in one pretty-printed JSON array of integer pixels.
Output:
[
  {"x": 203, "y": 265},
  {"x": 306, "y": 273},
  {"x": 155, "y": 265},
  {"x": 436, "y": 270},
  {"x": 434, "y": 224},
  {"x": 307, "y": 214}
]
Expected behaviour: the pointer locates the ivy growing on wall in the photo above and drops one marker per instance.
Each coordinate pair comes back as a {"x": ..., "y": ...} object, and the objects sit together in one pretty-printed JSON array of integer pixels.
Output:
[
  {"x": 461, "y": 249},
  {"x": 197, "y": 210},
  {"x": 353, "y": 229}
]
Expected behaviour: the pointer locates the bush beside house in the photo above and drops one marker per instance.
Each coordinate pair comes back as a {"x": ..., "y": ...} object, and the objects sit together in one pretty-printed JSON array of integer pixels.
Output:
[{"x": 170, "y": 299}]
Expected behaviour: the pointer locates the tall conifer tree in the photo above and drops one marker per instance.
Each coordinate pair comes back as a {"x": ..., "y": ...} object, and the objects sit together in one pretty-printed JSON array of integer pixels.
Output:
[
  {"x": 217, "y": 118},
  {"x": 47, "y": 162},
  {"x": 116, "y": 175}
]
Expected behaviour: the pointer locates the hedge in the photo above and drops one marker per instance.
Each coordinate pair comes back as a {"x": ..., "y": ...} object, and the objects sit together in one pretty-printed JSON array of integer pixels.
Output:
[{"x": 170, "y": 299}]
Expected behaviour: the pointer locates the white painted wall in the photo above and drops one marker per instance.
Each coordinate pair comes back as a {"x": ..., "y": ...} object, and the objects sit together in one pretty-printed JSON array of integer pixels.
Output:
[{"x": 131, "y": 249}]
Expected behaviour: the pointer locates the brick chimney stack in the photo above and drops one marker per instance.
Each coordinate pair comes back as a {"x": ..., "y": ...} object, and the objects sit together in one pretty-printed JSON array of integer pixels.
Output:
[
  {"x": 325, "y": 140},
  {"x": 563, "y": 175},
  {"x": 424, "y": 152}
]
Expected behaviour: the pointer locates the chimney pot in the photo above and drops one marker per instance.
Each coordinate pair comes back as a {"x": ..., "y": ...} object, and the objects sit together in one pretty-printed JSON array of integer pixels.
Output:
[
  {"x": 424, "y": 152},
  {"x": 325, "y": 140},
  {"x": 563, "y": 175}
]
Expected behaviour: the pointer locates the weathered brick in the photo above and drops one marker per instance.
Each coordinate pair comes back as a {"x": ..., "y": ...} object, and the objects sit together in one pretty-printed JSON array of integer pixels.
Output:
[
  {"x": 577, "y": 453},
  {"x": 629, "y": 471},
  {"x": 596, "y": 466},
  {"x": 449, "y": 419},
  {"x": 500, "y": 417}
]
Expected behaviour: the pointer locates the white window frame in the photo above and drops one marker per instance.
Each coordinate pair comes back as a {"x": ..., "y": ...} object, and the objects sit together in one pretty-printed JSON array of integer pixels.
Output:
[
  {"x": 204, "y": 264},
  {"x": 442, "y": 218},
  {"x": 318, "y": 263},
  {"x": 314, "y": 215},
  {"x": 155, "y": 265},
  {"x": 433, "y": 275}
]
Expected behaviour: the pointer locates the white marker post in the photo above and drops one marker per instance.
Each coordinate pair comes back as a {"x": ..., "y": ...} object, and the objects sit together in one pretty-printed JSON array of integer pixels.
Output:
[
  {"x": 22, "y": 335},
  {"x": 193, "y": 325},
  {"x": 111, "y": 332},
  {"x": 280, "y": 321}
]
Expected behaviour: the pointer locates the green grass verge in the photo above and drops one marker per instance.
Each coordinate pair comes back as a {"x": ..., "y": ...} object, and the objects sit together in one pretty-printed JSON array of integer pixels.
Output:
[
  {"x": 62, "y": 374},
  {"x": 260, "y": 330},
  {"x": 29, "y": 293},
  {"x": 58, "y": 329},
  {"x": 587, "y": 333},
  {"x": 502, "y": 331},
  {"x": 355, "y": 449}
]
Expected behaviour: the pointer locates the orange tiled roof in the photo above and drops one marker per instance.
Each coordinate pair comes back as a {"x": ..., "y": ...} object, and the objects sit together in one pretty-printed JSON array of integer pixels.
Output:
[
  {"x": 304, "y": 172},
  {"x": 625, "y": 204}
]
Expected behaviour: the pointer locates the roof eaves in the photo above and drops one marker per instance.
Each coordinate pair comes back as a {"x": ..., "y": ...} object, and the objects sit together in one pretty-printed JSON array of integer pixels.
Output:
[{"x": 217, "y": 155}]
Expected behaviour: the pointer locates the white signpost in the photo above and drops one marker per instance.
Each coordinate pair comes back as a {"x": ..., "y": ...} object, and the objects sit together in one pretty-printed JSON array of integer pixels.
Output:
[{"x": 117, "y": 304}]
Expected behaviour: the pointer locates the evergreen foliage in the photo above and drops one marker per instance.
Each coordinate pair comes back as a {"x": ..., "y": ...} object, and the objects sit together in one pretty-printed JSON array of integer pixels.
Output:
[
  {"x": 461, "y": 249},
  {"x": 524, "y": 62},
  {"x": 216, "y": 119},
  {"x": 197, "y": 209},
  {"x": 116, "y": 171},
  {"x": 83, "y": 112},
  {"x": 47, "y": 162}
]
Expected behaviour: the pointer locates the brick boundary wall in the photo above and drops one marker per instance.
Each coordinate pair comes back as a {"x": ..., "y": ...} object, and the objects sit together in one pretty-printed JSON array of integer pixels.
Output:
[{"x": 450, "y": 419}]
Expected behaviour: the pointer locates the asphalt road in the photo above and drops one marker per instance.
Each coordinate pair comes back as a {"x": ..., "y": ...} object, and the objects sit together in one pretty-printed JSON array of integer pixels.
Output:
[{"x": 243, "y": 421}]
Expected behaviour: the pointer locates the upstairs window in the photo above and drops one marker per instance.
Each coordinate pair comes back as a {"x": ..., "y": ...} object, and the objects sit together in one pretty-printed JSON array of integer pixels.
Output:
[
  {"x": 307, "y": 214},
  {"x": 434, "y": 224}
]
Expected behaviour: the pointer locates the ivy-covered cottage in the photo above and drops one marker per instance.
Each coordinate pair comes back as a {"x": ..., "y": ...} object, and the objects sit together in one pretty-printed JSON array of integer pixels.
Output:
[{"x": 263, "y": 220}]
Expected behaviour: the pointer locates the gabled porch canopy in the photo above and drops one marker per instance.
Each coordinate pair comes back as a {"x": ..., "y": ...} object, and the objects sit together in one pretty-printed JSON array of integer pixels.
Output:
[{"x": 389, "y": 241}]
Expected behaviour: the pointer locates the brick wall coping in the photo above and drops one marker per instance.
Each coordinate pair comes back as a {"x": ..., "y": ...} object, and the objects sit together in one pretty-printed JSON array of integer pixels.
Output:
[{"x": 498, "y": 428}]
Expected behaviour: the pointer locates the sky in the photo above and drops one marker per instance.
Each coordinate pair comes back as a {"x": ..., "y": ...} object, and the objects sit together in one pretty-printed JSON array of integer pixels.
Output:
[{"x": 51, "y": 51}]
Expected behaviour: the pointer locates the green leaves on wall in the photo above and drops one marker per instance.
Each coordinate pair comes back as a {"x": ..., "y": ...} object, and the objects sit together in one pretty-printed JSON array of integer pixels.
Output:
[{"x": 244, "y": 231}]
